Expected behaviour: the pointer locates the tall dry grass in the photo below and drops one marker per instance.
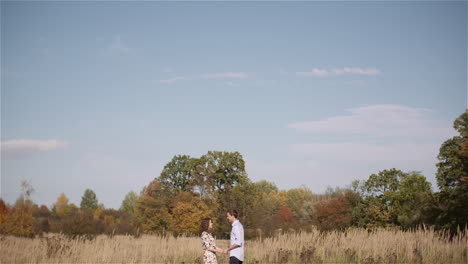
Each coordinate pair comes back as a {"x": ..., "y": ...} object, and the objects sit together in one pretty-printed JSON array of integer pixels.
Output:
[{"x": 354, "y": 246}]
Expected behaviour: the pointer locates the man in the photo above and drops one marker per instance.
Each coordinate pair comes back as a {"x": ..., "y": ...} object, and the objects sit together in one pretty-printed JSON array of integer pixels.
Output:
[{"x": 236, "y": 250}]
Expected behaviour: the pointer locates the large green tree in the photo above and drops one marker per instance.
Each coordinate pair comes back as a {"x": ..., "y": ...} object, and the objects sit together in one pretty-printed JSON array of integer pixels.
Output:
[
  {"x": 394, "y": 197},
  {"x": 89, "y": 200},
  {"x": 452, "y": 178},
  {"x": 224, "y": 170},
  {"x": 302, "y": 202},
  {"x": 177, "y": 175},
  {"x": 265, "y": 186},
  {"x": 413, "y": 200},
  {"x": 128, "y": 204}
]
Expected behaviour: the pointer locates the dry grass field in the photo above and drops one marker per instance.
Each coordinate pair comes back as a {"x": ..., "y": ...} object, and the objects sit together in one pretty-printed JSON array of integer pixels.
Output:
[{"x": 355, "y": 246}]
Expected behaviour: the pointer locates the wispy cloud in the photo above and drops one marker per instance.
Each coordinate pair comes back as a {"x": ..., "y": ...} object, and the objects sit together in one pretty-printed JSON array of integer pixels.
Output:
[
  {"x": 222, "y": 75},
  {"x": 389, "y": 136},
  {"x": 230, "y": 75},
  {"x": 117, "y": 47},
  {"x": 365, "y": 152},
  {"x": 314, "y": 72},
  {"x": 171, "y": 80},
  {"x": 359, "y": 71},
  {"x": 386, "y": 120},
  {"x": 22, "y": 148},
  {"x": 339, "y": 71}
]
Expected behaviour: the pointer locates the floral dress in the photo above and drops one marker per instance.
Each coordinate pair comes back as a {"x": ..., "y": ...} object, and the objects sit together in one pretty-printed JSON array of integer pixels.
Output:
[{"x": 208, "y": 243}]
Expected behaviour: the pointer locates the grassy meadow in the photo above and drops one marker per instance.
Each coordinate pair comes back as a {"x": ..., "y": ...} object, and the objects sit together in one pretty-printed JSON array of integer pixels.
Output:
[{"x": 354, "y": 246}]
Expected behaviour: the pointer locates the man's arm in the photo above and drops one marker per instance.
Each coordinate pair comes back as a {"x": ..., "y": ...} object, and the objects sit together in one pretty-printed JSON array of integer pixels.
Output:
[
  {"x": 233, "y": 247},
  {"x": 237, "y": 239},
  {"x": 226, "y": 251}
]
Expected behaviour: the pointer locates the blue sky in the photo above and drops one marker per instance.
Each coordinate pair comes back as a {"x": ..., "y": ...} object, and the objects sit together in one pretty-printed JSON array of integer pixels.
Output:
[{"x": 102, "y": 95}]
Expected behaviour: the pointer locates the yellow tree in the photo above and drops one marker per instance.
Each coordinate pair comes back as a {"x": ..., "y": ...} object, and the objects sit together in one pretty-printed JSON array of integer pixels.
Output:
[
  {"x": 21, "y": 220},
  {"x": 61, "y": 207},
  {"x": 151, "y": 209},
  {"x": 187, "y": 211}
]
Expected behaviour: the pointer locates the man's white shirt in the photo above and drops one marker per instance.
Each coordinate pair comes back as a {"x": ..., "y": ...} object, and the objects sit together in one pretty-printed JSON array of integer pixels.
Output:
[{"x": 237, "y": 237}]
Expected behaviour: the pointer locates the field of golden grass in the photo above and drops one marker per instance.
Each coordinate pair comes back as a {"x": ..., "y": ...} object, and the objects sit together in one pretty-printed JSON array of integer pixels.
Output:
[{"x": 354, "y": 246}]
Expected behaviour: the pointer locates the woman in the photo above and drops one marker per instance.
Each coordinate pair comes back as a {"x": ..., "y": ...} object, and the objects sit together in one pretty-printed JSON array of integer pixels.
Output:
[{"x": 208, "y": 243}]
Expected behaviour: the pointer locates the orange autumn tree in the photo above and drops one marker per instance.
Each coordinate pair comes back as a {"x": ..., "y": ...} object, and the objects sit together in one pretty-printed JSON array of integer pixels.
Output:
[
  {"x": 4, "y": 212},
  {"x": 187, "y": 211},
  {"x": 285, "y": 215},
  {"x": 20, "y": 220},
  {"x": 152, "y": 210},
  {"x": 332, "y": 214}
]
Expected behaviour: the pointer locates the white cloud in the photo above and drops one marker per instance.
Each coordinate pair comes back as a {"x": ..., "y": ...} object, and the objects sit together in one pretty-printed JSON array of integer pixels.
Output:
[
  {"x": 409, "y": 139},
  {"x": 385, "y": 120},
  {"x": 360, "y": 71},
  {"x": 230, "y": 84},
  {"x": 314, "y": 72},
  {"x": 171, "y": 80},
  {"x": 340, "y": 163},
  {"x": 230, "y": 75},
  {"x": 22, "y": 148},
  {"x": 367, "y": 152},
  {"x": 318, "y": 171},
  {"x": 339, "y": 71}
]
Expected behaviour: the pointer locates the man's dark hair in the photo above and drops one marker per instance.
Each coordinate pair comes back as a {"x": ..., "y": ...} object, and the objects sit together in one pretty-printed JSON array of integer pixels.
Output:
[
  {"x": 205, "y": 225},
  {"x": 232, "y": 212}
]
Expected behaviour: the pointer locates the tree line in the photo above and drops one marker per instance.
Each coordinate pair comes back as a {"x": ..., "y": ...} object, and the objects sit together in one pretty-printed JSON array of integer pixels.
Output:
[{"x": 191, "y": 188}]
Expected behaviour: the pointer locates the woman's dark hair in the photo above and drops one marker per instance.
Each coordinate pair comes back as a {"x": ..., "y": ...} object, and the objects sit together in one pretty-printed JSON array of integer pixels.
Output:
[
  {"x": 232, "y": 212},
  {"x": 205, "y": 225}
]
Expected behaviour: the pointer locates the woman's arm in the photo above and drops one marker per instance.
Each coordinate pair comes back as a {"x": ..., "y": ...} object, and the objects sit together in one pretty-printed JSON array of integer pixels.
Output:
[
  {"x": 216, "y": 250},
  {"x": 210, "y": 246}
]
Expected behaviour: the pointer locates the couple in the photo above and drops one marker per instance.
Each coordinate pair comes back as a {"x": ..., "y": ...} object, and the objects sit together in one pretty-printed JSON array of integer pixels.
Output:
[{"x": 236, "y": 249}]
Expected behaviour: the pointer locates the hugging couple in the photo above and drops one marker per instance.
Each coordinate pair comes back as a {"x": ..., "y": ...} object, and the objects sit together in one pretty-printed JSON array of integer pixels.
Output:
[{"x": 236, "y": 248}]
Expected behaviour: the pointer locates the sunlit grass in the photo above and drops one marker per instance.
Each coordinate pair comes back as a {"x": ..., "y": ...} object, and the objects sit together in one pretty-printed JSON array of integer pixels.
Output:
[{"x": 354, "y": 246}]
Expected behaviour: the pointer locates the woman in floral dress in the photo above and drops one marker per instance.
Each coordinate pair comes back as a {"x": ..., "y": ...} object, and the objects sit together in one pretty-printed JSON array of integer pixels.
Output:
[{"x": 208, "y": 242}]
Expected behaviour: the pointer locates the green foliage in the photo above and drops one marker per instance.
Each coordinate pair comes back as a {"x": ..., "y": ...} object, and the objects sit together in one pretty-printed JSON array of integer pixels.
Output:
[
  {"x": 301, "y": 201},
  {"x": 263, "y": 212},
  {"x": 264, "y": 186},
  {"x": 89, "y": 200},
  {"x": 189, "y": 189},
  {"x": 129, "y": 202},
  {"x": 152, "y": 209},
  {"x": 241, "y": 198},
  {"x": 383, "y": 182},
  {"x": 413, "y": 200},
  {"x": 452, "y": 178},
  {"x": 393, "y": 197},
  {"x": 226, "y": 169},
  {"x": 177, "y": 175}
]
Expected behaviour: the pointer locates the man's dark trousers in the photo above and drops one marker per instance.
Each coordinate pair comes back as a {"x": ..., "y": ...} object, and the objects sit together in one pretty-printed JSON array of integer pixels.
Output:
[{"x": 234, "y": 260}]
